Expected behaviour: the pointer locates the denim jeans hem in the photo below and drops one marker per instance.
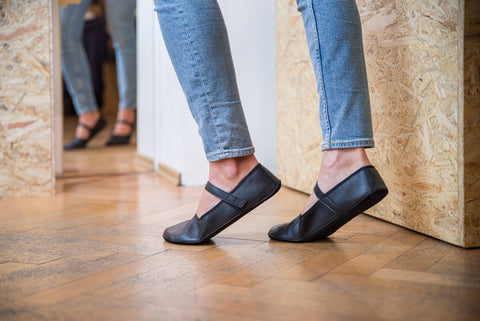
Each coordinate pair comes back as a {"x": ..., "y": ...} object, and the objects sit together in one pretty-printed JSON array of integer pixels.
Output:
[
  {"x": 127, "y": 107},
  {"x": 367, "y": 143},
  {"x": 84, "y": 110},
  {"x": 230, "y": 154}
]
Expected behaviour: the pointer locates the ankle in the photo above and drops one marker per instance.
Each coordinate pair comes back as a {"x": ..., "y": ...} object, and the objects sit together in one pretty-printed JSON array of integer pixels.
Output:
[
  {"x": 225, "y": 171},
  {"x": 89, "y": 118},
  {"x": 344, "y": 158},
  {"x": 337, "y": 164},
  {"x": 126, "y": 114}
]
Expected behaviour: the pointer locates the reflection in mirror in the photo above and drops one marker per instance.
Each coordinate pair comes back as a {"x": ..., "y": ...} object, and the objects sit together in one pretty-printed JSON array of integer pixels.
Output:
[{"x": 99, "y": 73}]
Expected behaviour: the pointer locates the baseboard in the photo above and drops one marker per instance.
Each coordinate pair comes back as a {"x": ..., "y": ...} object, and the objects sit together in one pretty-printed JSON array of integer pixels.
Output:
[
  {"x": 171, "y": 175},
  {"x": 144, "y": 160}
]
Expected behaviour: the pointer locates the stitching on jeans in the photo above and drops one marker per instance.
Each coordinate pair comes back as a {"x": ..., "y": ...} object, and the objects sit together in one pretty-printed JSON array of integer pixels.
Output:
[
  {"x": 231, "y": 153},
  {"x": 321, "y": 92},
  {"x": 351, "y": 141},
  {"x": 367, "y": 143}
]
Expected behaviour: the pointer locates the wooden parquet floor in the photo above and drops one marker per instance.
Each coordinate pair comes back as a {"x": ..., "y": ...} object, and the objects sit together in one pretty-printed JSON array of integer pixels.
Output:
[{"x": 95, "y": 251}]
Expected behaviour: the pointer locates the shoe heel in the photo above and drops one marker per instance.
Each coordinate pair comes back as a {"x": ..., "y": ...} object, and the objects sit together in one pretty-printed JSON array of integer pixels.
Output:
[{"x": 372, "y": 199}]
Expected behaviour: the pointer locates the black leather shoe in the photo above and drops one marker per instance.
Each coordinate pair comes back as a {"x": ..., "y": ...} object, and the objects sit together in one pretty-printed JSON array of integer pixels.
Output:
[
  {"x": 81, "y": 143},
  {"x": 119, "y": 139},
  {"x": 352, "y": 196},
  {"x": 258, "y": 186}
]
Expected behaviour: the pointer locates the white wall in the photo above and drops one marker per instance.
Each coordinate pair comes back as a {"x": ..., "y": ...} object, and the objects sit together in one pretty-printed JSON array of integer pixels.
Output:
[
  {"x": 145, "y": 80},
  {"x": 166, "y": 131},
  {"x": 251, "y": 29}
]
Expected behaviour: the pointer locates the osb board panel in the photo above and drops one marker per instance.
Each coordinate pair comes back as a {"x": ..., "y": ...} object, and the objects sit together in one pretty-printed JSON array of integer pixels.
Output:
[
  {"x": 472, "y": 122},
  {"x": 26, "y": 165},
  {"x": 412, "y": 63}
]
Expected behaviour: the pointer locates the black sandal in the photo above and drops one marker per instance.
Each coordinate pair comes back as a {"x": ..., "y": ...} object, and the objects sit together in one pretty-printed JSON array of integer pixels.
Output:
[
  {"x": 118, "y": 139},
  {"x": 81, "y": 143},
  {"x": 257, "y": 187},
  {"x": 354, "y": 195}
]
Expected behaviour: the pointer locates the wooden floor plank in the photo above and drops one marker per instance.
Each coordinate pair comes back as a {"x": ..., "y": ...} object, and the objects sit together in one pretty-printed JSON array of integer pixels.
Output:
[
  {"x": 8, "y": 267},
  {"x": 466, "y": 257},
  {"x": 275, "y": 258},
  {"x": 405, "y": 300},
  {"x": 381, "y": 254},
  {"x": 422, "y": 256},
  {"x": 100, "y": 280},
  {"x": 40, "y": 246},
  {"x": 430, "y": 278},
  {"x": 21, "y": 283},
  {"x": 454, "y": 269},
  {"x": 326, "y": 260},
  {"x": 188, "y": 273}
]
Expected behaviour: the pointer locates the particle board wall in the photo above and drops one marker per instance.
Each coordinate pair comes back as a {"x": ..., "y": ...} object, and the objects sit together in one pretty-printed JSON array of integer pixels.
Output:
[
  {"x": 424, "y": 131},
  {"x": 26, "y": 162}
]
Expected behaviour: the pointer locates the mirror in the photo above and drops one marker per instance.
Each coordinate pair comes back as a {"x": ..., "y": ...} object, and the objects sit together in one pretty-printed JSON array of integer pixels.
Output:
[{"x": 99, "y": 18}]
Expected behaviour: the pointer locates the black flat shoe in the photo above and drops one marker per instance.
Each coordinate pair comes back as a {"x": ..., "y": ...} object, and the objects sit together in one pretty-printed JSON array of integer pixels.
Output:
[
  {"x": 81, "y": 143},
  {"x": 119, "y": 139},
  {"x": 352, "y": 196},
  {"x": 258, "y": 186}
]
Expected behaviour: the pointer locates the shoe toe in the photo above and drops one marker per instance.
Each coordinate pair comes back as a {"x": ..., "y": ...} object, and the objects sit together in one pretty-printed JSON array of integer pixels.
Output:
[
  {"x": 180, "y": 233},
  {"x": 278, "y": 230},
  {"x": 75, "y": 144},
  {"x": 287, "y": 231}
]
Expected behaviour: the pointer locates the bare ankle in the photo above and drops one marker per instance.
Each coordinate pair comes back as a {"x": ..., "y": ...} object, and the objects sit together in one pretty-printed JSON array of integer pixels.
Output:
[
  {"x": 89, "y": 118},
  {"x": 232, "y": 168},
  {"x": 126, "y": 114},
  {"x": 337, "y": 164},
  {"x": 341, "y": 158}
]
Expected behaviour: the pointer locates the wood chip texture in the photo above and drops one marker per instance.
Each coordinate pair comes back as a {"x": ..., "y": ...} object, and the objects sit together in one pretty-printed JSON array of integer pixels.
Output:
[
  {"x": 426, "y": 118},
  {"x": 26, "y": 157}
]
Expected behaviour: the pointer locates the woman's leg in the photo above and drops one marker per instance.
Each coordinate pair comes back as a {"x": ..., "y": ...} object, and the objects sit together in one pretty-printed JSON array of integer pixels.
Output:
[
  {"x": 346, "y": 184},
  {"x": 334, "y": 37},
  {"x": 197, "y": 41},
  {"x": 120, "y": 19},
  {"x": 75, "y": 67},
  {"x": 196, "y": 38}
]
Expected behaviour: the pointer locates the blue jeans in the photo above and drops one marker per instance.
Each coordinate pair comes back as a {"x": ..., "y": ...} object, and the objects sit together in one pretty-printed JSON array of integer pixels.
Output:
[
  {"x": 197, "y": 42},
  {"x": 75, "y": 67}
]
